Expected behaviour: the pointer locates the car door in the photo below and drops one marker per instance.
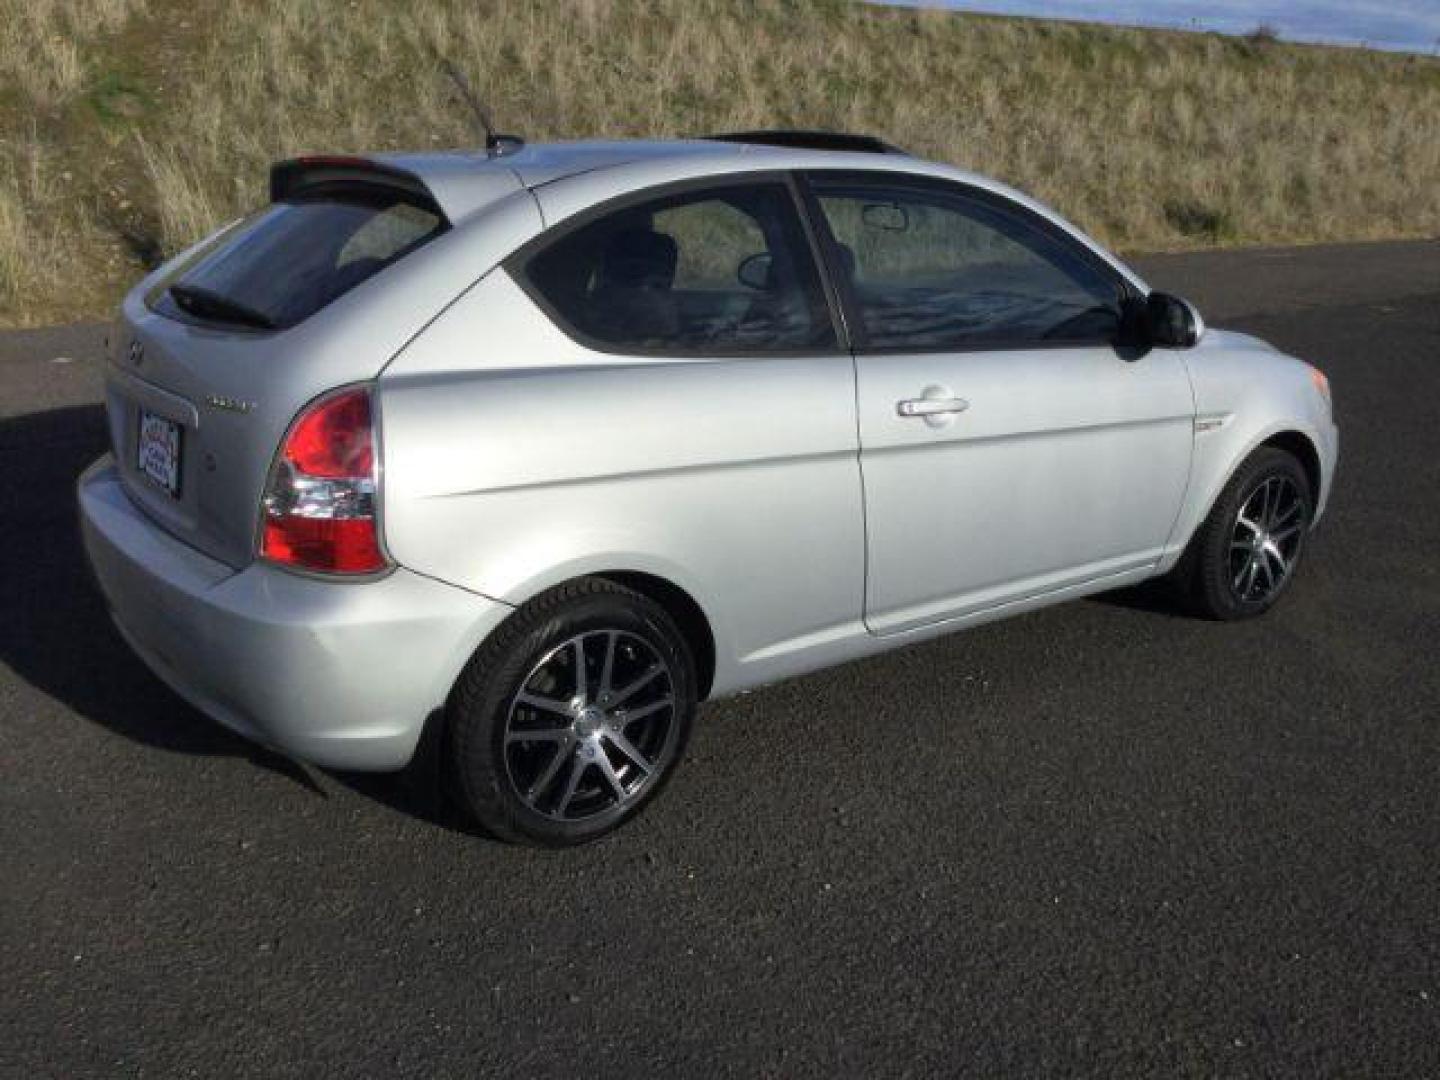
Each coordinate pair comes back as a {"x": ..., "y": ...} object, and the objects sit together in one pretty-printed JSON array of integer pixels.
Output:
[{"x": 1009, "y": 448}]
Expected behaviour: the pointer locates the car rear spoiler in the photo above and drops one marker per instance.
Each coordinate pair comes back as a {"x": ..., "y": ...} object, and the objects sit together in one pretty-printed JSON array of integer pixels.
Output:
[{"x": 299, "y": 176}]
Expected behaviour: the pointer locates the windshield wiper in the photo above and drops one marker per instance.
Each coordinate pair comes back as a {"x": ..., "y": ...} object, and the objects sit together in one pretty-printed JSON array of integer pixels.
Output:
[{"x": 208, "y": 304}]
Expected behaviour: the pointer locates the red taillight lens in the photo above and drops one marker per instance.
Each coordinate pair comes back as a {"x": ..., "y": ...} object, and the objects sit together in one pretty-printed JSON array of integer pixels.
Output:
[
  {"x": 332, "y": 439},
  {"x": 319, "y": 506}
]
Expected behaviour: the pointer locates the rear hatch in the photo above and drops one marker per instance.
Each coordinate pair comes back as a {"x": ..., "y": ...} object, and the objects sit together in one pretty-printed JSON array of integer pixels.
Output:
[{"x": 216, "y": 353}]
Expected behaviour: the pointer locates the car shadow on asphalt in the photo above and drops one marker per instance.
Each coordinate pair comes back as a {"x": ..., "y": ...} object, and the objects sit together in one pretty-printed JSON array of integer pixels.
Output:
[
  {"x": 1156, "y": 597},
  {"x": 56, "y": 635}
]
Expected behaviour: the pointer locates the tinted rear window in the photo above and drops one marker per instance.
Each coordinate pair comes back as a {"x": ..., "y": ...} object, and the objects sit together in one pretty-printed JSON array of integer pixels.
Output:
[
  {"x": 724, "y": 270},
  {"x": 296, "y": 256}
]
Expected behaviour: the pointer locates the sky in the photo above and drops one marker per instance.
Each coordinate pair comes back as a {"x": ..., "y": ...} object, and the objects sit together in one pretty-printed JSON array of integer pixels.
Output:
[{"x": 1405, "y": 25}]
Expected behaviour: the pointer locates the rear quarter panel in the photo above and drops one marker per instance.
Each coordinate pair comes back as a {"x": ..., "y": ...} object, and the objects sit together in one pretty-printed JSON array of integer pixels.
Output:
[
  {"x": 228, "y": 454},
  {"x": 517, "y": 458}
]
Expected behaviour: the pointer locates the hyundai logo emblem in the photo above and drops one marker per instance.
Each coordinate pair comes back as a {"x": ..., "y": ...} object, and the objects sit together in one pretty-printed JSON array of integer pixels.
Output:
[{"x": 136, "y": 354}]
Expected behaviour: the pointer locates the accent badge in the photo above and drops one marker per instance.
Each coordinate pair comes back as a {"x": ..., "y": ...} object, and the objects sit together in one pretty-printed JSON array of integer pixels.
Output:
[{"x": 229, "y": 404}]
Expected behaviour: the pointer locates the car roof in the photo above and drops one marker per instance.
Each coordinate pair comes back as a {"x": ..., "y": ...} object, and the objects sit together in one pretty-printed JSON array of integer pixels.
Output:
[
  {"x": 536, "y": 164},
  {"x": 463, "y": 181},
  {"x": 466, "y": 181}
]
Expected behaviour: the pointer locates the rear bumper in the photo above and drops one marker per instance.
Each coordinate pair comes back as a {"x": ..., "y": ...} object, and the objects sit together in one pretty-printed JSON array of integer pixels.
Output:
[{"x": 343, "y": 674}]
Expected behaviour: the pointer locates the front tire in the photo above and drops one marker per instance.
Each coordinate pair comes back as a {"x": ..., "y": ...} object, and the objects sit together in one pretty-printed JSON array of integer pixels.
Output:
[
  {"x": 1244, "y": 555},
  {"x": 572, "y": 715}
]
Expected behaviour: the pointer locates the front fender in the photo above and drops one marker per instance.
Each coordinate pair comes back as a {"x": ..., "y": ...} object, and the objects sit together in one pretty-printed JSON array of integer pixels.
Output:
[{"x": 1247, "y": 394}]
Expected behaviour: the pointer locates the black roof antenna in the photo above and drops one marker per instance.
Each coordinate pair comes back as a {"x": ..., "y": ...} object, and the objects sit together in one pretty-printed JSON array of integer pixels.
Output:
[{"x": 496, "y": 144}]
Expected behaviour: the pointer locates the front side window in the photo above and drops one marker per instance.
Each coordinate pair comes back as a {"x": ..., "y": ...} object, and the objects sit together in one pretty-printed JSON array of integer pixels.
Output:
[
  {"x": 932, "y": 268},
  {"x": 722, "y": 270}
]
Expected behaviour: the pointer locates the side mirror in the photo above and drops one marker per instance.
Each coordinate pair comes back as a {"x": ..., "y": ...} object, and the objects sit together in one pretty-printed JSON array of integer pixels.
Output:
[
  {"x": 1171, "y": 322},
  {"x": 754, "y": 271}
]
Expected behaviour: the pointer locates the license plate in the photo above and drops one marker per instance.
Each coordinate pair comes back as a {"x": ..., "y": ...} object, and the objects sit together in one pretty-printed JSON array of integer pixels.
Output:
[{"x": 159, "y": 454}]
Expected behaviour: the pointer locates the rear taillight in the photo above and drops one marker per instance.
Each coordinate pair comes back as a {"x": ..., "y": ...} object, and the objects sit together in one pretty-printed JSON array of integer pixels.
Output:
[{"x": 320, "y": 504}]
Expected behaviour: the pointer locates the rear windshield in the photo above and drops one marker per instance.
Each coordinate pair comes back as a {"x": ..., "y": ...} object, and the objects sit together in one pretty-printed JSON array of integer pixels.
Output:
[{"x": 292, "y": 258}]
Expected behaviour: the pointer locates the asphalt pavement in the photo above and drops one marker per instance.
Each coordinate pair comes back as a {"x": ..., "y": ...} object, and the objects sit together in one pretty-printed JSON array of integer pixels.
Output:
[{"x": 1103, "y": 839}]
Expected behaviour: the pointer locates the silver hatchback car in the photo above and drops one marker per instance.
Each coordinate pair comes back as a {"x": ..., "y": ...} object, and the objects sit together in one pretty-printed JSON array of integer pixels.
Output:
[{"x": 544, "y": 445}]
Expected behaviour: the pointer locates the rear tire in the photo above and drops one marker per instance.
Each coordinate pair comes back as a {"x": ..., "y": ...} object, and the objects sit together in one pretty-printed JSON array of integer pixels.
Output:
[
  {"x": 1244, "y": 555},
  {"x": 572, "y": 715}
]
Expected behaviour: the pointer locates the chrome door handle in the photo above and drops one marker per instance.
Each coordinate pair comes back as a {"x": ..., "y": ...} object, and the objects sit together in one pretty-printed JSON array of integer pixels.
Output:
[{"x": 927, "y": 406}]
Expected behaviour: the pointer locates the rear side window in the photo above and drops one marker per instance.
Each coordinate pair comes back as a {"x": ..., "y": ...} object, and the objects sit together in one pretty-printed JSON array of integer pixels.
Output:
[
  {"x": 296, "y": 256},
  {"x": 724, "y": 270},
  {"x": 931, "y": 268}
]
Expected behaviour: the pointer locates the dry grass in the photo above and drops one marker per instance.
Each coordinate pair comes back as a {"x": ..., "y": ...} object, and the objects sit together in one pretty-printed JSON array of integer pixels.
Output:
[
  {"x": 43, "y": 43},
  {"x": 1149, "y": 139},
  {"x": 43, "y": 241},
  {"x": 49, "y": 241}
]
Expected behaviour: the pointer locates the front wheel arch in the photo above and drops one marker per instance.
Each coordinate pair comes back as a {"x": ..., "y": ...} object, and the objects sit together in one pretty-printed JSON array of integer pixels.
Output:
[
  {"x": 1298, "y": 445},
  {"x": 1193, "y": 579},
  {"x": 1294, "y": 442}
]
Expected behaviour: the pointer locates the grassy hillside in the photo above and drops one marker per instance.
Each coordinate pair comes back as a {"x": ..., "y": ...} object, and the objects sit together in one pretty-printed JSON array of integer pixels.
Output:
[{"x": 128, "y": 127}]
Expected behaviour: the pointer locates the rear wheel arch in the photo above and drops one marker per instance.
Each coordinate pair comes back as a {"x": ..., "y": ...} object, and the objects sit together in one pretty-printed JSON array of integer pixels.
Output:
[
  {"x": 689, "y": 616},
  {"x": 592, "y": 738},
  {"x": 659, "y": 582}
]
